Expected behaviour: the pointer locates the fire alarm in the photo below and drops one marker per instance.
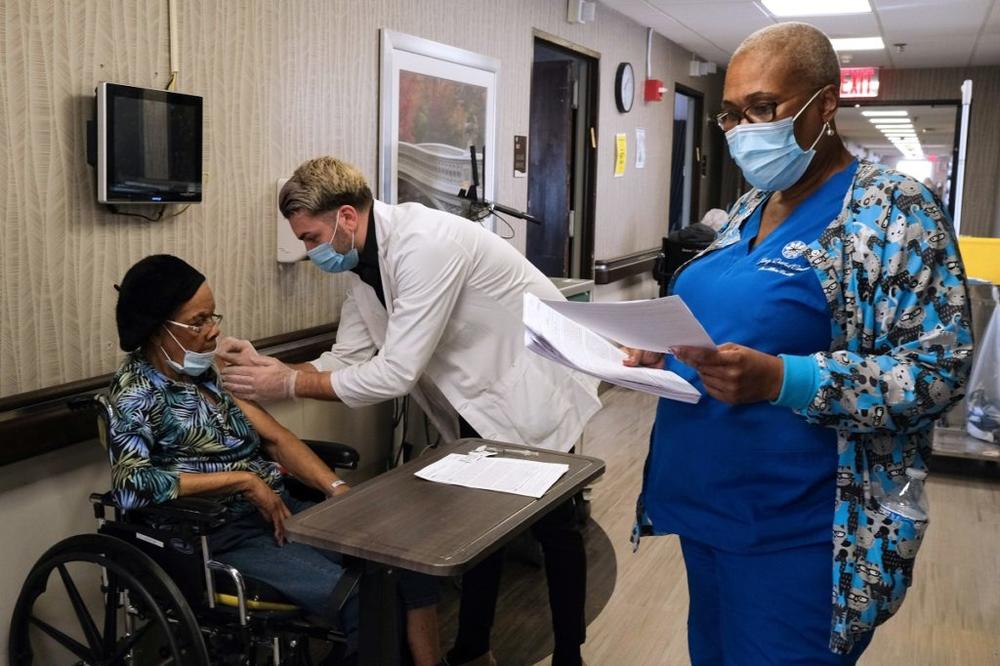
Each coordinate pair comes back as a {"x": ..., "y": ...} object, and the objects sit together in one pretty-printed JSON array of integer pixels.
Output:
[{"x": 654, "y": 90}]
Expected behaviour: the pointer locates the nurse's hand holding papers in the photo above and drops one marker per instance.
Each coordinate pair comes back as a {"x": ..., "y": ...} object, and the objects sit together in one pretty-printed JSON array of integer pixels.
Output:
[{"x": 553, "y": 330}]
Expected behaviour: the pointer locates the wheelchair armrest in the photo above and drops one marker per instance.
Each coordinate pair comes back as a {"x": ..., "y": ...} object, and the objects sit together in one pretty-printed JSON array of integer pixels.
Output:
[
  {"x": 203, "y": 512},
  {"x": 334, "y": 454}
]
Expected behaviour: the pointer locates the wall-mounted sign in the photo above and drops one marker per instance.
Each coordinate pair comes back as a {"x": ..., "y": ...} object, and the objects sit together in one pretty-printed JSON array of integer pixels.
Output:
[
  {"x": 520, "y": 156},
  {"x": 858, "y": 82}
]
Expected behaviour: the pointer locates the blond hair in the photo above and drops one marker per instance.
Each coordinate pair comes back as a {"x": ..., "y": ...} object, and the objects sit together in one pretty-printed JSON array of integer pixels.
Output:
[
  {"x": 804, "y": 46},
  {"x": 324, "y": 184}
]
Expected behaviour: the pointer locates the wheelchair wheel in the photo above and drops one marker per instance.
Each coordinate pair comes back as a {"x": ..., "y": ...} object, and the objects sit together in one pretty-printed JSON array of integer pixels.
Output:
[{"x": 141, "y": 616}]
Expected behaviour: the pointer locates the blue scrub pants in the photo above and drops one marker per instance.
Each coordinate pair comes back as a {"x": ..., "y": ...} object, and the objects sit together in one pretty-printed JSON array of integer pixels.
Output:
[{"x": 762, "y": 608}]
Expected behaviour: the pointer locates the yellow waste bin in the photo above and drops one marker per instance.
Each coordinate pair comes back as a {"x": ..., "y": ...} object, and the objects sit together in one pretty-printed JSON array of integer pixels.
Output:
[{"x": 981, "y": 257}]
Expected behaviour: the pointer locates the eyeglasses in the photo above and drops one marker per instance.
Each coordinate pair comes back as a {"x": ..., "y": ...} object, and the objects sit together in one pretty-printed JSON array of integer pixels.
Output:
[
  {"x": 201, "y": 322},
  {"x": 758, "y": 112}
]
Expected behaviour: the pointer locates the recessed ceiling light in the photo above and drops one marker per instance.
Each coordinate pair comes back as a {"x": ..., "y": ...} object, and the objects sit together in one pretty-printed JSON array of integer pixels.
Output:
[
  {"x": 874, "y": 113},
  {"x": 889, "y": 121},
  {"x": 816, "y": 7},
  {"x": 858, "y": 44}
]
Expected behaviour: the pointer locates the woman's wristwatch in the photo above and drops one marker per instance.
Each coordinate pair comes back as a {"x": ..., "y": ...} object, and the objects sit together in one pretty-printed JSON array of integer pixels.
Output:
[{"x": 336, "y": 484}]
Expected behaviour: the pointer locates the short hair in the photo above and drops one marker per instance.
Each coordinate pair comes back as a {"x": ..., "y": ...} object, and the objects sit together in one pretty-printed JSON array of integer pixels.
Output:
[
  {"x": 805, "y": 47},
  {"x": 324, "y": 184},
  {"x": 149, "y": 294}
]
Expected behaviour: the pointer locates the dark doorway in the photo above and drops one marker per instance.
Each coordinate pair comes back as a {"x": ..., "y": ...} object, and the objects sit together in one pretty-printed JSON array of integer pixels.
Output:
[
  {"x": 686, "y": 165},
  {"x": 561, "y": 161}
]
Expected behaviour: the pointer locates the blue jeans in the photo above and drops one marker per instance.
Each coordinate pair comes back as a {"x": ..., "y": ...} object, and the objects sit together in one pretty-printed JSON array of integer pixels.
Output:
[
  {"x": 761, "y": 608},
  {"x": 306, "y": 575}
]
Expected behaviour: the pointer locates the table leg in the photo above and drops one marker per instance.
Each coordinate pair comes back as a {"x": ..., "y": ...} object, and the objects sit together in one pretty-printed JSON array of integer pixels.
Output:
[{"x": 380, "y": 634}]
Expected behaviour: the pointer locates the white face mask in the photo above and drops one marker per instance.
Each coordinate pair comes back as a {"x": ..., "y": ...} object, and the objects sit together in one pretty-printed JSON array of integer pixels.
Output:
[{"x": 195, "y": 363}]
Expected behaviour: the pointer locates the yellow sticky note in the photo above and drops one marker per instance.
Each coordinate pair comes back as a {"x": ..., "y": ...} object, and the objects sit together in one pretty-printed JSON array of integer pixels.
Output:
[{"x": 621, "y": 154}]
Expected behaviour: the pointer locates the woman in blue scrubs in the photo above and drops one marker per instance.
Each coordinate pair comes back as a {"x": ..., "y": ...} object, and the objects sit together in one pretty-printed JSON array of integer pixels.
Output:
[{"x": 826, "y": 382}]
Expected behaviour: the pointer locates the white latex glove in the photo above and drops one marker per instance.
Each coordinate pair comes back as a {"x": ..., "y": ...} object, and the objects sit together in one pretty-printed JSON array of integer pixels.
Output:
[
  {"x": 266, "y": 378},
  {"x": 233, "y": 351}
]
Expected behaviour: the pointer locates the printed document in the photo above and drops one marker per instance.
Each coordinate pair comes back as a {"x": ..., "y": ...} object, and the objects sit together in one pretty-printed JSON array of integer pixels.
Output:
[
  {"x": 562, "y": 340},
  {"x": 506, "y": 475},
  {"x": 654, "y": 325}
]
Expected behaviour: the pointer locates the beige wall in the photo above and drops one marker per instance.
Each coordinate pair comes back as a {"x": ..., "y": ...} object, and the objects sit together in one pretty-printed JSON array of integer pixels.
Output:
[
  {"x": 981, "y": 205},
  {"x": 283, "y": 81}
]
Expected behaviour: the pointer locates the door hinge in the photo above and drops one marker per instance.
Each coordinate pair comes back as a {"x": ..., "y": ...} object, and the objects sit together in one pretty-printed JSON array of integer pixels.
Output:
[
  {"x": 576, "y": 94},
  {"x": 572, "y": 222}
]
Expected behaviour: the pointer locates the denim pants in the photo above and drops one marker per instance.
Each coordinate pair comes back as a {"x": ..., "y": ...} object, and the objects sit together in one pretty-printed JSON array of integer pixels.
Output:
[{"x": 306, "y": 575}]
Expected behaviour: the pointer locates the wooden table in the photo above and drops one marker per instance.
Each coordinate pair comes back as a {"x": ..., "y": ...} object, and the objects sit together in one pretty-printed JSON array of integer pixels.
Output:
[{"x": 397, "y": 520}]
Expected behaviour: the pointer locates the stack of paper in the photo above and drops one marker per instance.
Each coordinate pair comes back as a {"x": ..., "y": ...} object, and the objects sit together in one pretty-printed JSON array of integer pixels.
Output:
[
  {"x": 506, "y": 475},
  {"x": 655, "y": 325},
  {"x": 560, "y": 339}
]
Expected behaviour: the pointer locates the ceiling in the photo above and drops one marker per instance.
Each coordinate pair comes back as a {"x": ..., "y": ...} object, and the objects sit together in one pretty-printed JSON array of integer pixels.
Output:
[
  {"x": 934, "y": 125},
  {"x": 937, "y": 33}
]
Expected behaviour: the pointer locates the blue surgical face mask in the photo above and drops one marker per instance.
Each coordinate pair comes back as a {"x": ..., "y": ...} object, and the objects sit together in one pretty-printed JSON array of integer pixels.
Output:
[
  {"x": 195, "y": 363},
  {"x": 768, "y": 154},
  {"x": 331, "y": 261}
]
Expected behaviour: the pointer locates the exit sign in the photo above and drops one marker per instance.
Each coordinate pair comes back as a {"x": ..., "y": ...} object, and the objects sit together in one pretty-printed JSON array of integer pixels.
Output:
[{"x": 858, "y": 82}]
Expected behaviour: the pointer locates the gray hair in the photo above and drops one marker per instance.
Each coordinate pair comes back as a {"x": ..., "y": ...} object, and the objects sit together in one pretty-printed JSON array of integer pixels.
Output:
[
  {"x": 324, "y": 184},
  {"x": 805, "y": 47}
]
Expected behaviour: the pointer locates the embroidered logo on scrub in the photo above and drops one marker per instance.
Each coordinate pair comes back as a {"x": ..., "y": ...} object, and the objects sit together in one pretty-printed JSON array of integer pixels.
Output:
[
  {"x": 794, "y": 250},
  {"x": 791, "y": 262}
]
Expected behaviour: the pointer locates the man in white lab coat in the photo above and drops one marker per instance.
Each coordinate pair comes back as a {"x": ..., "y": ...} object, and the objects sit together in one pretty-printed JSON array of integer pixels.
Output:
[{"x": 433, "y": 310}]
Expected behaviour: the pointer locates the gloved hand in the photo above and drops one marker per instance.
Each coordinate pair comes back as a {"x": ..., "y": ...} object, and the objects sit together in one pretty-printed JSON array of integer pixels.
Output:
[
  {"x": 233, "y": 351},
  {"x": 266, "y": 378}
]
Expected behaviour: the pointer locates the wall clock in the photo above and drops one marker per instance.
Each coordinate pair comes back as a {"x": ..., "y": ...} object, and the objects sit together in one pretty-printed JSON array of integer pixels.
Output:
[{"x": 624, "y": 87}]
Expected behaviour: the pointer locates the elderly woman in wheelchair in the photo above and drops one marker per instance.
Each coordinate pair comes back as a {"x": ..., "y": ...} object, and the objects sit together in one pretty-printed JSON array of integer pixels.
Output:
[{"x": 175, "y": 433}]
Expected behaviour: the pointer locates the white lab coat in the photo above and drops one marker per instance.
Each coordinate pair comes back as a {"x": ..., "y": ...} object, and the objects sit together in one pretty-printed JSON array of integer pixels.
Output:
[{"x": 451, "y": 334}]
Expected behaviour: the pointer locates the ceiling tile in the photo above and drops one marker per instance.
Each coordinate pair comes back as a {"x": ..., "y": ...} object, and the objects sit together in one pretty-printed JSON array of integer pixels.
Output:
[
  {"x": 987, "y": 51},
  {"x": 667, "y": 5},
  {"x": 951, "y": 52},
  {"x": 869, "y": 59},
  {"x": 908, "y": 19},
  {"x": 644, "y": 13},
  {"x": 993, "y": 22},
  {"x": 856, "y": 25},
  {"x": 741, "y": 19}
]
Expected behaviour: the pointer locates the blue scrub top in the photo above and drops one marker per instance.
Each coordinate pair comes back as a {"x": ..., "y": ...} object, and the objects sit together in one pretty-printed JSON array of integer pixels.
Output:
[{"x": 752, "y": 477}]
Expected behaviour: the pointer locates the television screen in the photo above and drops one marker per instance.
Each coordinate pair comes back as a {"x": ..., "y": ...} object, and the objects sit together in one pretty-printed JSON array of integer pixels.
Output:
[{"x": 148, "y": 145}]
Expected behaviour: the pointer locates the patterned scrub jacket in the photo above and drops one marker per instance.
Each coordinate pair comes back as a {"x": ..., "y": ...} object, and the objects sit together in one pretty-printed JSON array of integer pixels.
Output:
[{"x": 902, "y": 345}]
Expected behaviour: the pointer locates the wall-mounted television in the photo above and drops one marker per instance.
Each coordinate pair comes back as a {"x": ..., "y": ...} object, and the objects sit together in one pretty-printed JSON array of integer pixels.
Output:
[{"x": 148, "y": 145}]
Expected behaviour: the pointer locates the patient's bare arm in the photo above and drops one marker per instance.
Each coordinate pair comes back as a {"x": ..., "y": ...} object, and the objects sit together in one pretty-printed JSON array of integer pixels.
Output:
[{"x": 284, "y": 447}]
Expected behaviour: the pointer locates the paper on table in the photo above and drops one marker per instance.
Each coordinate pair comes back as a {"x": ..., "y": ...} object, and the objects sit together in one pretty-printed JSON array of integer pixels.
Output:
[
  {"x": 654, "y": 325},
  {"x": 506, "y": 475},
  {"x": 560, "y": 339}
]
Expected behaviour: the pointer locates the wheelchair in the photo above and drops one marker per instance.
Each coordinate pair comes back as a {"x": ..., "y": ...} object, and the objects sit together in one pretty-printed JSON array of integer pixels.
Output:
[{"x": 158, "y": 595}]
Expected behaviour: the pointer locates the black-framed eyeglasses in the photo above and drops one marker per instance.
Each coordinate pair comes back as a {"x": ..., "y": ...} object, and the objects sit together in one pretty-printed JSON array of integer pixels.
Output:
[
  {"x": 758, "y": 112},
  {"x": 214, "y": 319}
]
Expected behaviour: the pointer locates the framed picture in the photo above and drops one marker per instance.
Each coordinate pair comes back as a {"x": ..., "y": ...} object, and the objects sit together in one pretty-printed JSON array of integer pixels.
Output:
[{"x": 435, "y": 102}]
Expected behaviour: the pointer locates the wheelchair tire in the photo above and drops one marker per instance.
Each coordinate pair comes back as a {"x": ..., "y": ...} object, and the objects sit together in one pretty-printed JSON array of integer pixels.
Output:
[{"x": 164, "y": 626}]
